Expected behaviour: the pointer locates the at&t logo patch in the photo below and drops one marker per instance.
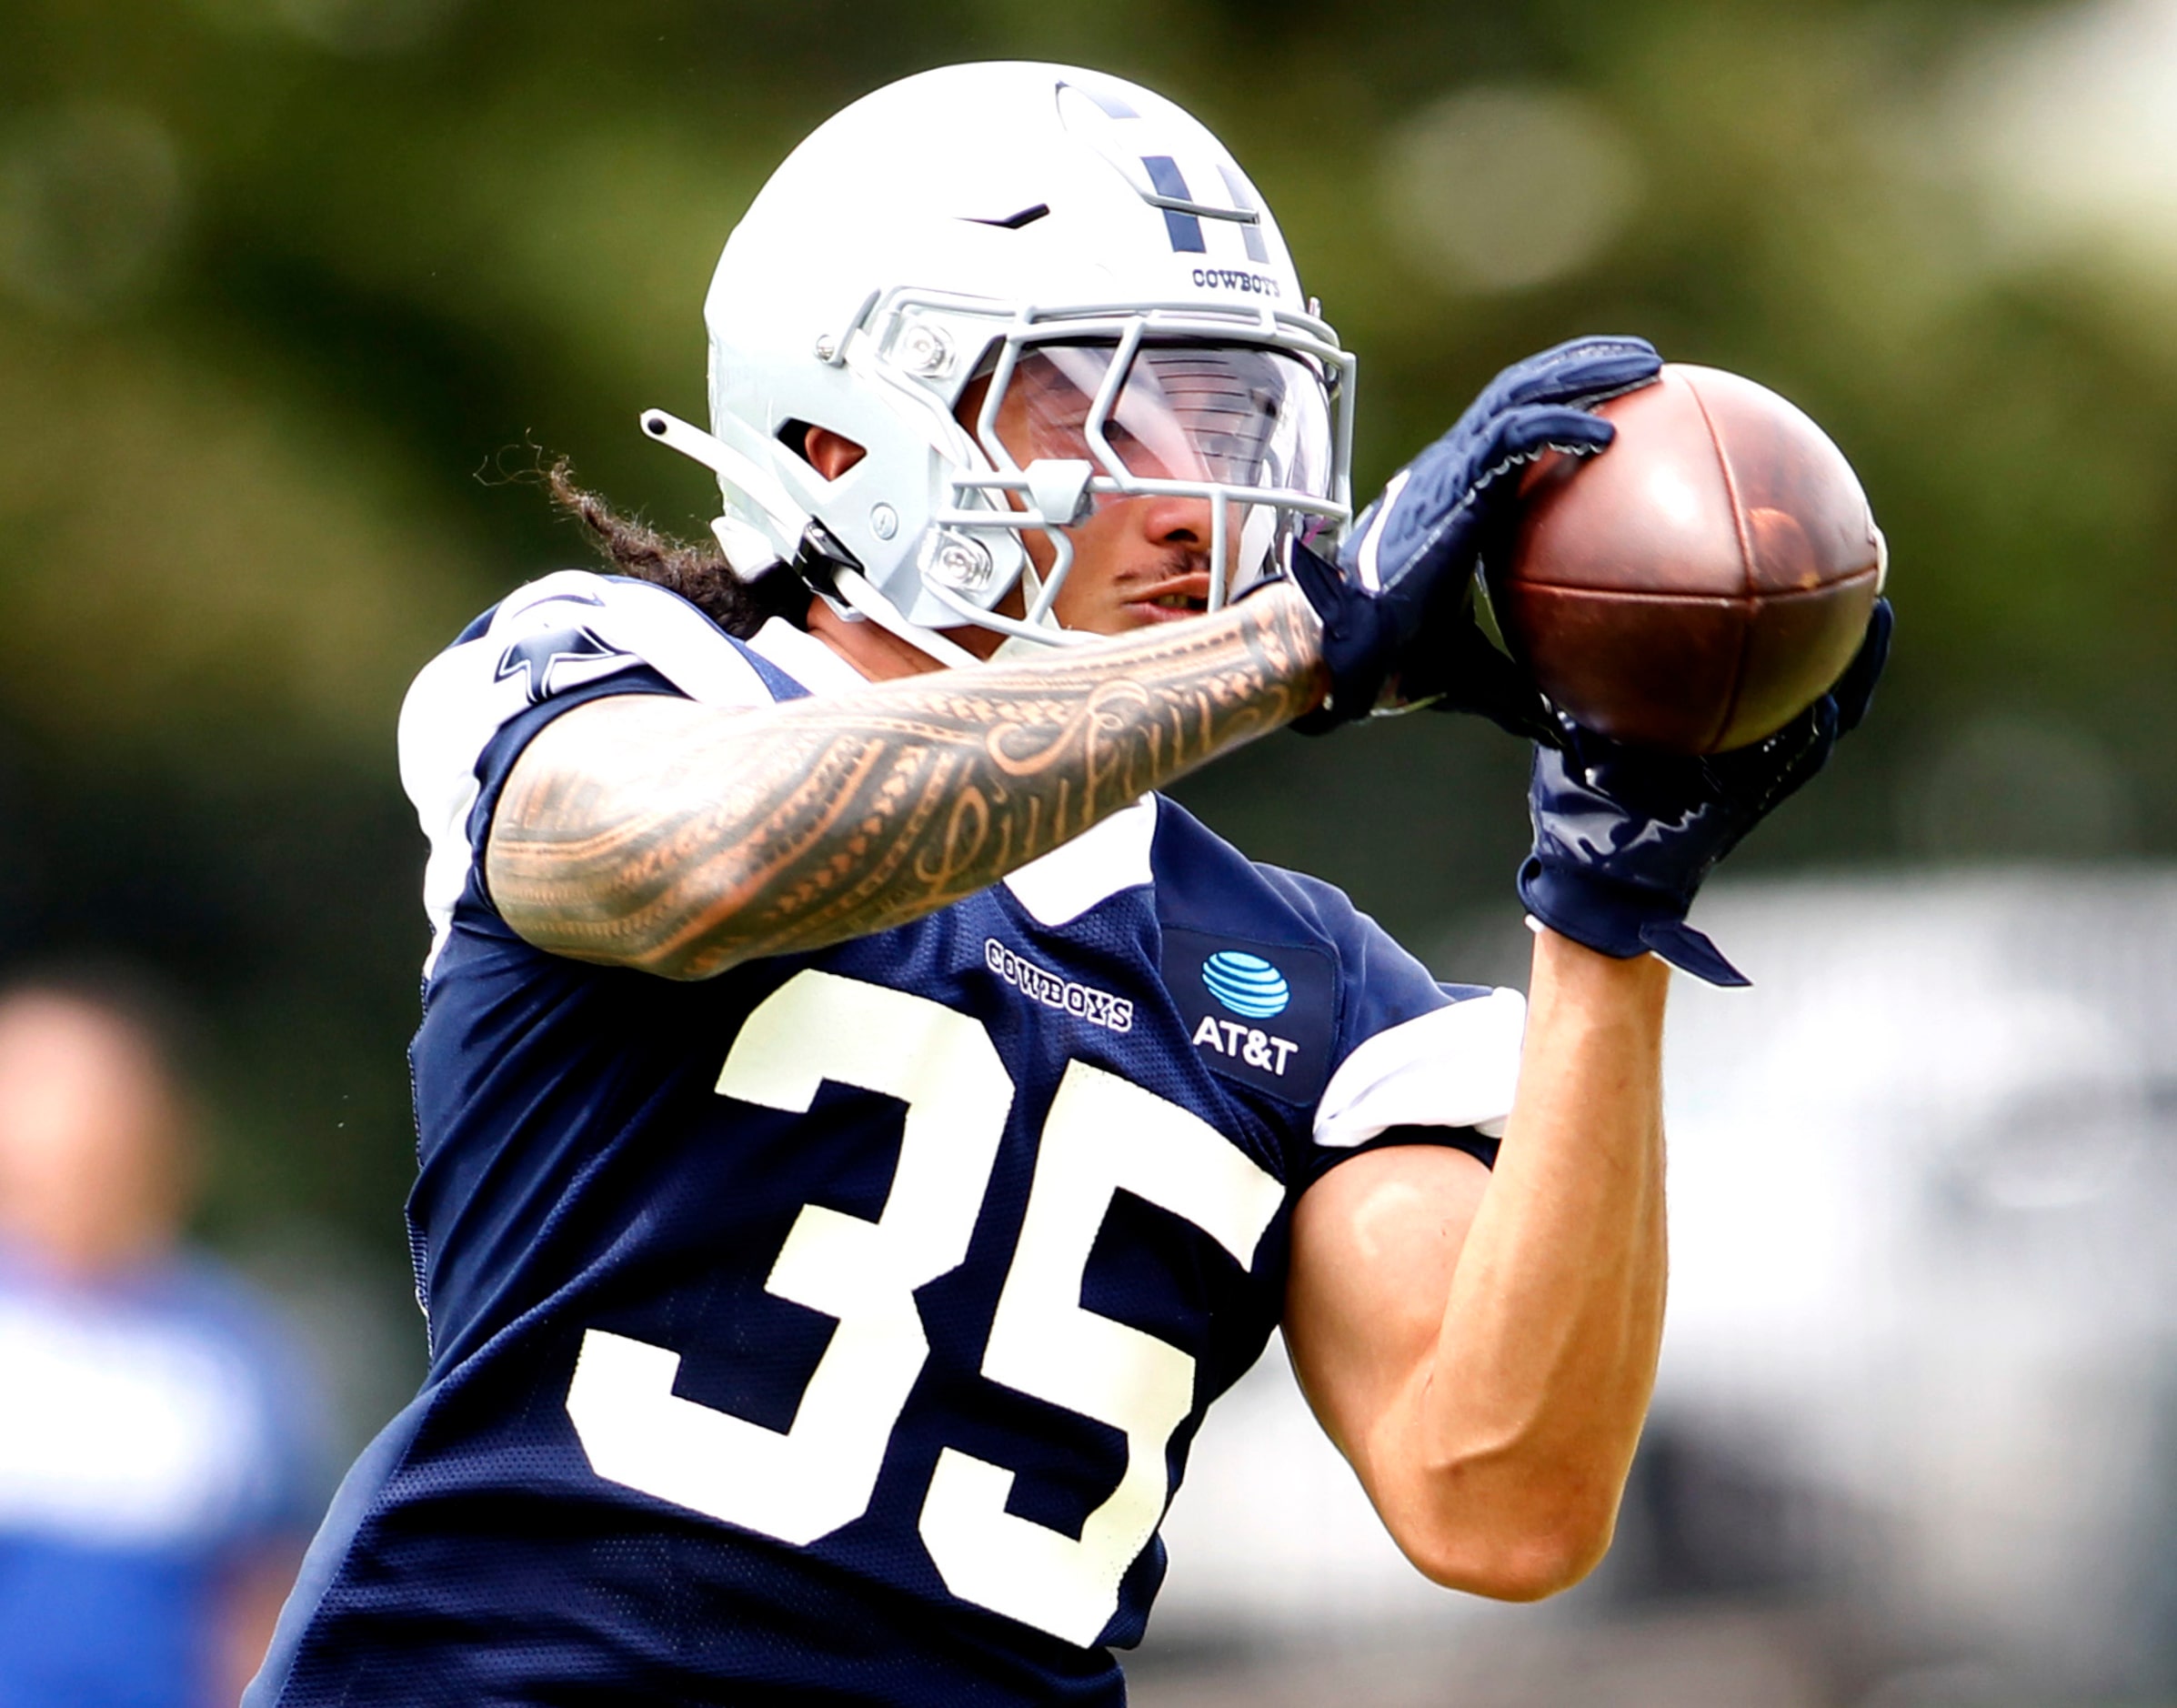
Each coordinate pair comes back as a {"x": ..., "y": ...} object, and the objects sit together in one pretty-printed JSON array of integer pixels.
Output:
[{"x": 1260, "y": 1013}]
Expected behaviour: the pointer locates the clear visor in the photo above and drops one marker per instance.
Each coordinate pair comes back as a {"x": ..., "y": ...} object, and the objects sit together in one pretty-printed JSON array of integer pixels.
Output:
[{"x": 1246, "y": 424}]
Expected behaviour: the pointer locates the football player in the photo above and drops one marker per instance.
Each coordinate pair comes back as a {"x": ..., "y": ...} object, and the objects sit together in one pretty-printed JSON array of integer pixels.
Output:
[{"x": 863, "y": 1124}]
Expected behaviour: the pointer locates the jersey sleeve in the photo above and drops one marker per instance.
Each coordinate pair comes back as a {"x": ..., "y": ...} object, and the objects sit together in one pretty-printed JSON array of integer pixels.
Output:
[
  {"x": 1417, "y": 1061},
  {"x": 547, "y": 649}
]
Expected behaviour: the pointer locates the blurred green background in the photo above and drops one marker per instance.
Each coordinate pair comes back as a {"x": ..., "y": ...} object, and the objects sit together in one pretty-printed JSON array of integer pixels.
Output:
[{"x": 294, "y": 293}]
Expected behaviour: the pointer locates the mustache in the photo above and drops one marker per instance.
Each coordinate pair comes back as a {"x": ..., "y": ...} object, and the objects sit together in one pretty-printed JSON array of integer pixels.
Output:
[{"x": 1175, "y": 563}]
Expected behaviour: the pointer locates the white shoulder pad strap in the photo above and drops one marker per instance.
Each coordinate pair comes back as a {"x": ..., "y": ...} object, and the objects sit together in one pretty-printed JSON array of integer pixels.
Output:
[
  {"x": 553, "y": 634},
  {"x": 1059, "y": 887},
  {"x": 1453, "y": 1067}
]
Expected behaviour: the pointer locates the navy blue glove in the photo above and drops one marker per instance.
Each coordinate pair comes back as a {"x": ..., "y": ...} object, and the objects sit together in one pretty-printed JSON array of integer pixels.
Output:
[
  {"x": 1396, "y": 609},
  {"x": 1623, "y": 836}
]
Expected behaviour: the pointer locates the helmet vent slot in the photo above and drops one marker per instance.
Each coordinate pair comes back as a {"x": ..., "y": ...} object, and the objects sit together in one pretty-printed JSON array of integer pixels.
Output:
[{"x": 1013, "y": 222}]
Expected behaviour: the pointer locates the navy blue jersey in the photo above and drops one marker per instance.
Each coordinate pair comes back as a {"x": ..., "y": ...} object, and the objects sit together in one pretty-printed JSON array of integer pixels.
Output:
[{"x": 836, "y": 1329}]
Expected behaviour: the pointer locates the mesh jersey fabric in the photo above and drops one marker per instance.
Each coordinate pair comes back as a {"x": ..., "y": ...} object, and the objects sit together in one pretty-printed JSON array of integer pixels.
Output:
[{"x": 837, "y": 1329}]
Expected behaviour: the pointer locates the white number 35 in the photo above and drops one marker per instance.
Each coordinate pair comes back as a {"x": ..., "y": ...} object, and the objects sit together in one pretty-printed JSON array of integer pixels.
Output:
[{"x": 1102, "y": 1133}]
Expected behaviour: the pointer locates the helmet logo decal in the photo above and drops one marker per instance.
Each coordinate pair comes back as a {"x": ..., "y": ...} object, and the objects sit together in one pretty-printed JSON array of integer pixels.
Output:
[
  {"x": 1246, "y": 984},
  {"x": 1233, "y": 279},
  {"x": 1013, "y": 222}
]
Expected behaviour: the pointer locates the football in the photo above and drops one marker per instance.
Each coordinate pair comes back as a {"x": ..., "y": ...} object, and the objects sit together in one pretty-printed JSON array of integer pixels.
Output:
[{"x": 1704, "y": 579}]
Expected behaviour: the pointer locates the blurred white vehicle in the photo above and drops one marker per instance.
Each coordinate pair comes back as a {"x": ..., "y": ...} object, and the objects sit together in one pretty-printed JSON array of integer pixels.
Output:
[{"x": 1921, "y": 1367}]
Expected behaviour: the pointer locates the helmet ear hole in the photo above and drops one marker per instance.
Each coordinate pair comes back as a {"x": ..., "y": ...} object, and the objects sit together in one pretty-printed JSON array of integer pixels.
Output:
[{"x": 830, "y": 454}]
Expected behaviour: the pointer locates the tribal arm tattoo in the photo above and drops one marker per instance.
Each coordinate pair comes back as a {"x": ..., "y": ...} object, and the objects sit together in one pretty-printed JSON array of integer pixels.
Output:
[{"x": 647, "y": 831}]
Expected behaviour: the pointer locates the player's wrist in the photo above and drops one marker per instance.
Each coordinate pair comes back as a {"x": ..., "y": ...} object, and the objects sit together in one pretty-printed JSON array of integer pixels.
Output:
[
  {"x": 1286, "y": 596},
  {"x": 1290, "y": 624},
  {"x": 1355, "y": 641},
  {"x": 1622, "y": 918},
  {"x": 1569, "y": 963}
]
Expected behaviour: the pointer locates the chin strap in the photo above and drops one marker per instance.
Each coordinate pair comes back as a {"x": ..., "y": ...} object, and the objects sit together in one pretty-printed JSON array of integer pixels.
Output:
[{"x": 857, "y": 590}]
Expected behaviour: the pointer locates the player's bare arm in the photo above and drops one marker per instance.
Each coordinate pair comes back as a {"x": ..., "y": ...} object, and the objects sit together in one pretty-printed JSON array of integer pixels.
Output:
[
  {"x": 1481, "y": 1346},
  {"x": 654, "y": 833}
]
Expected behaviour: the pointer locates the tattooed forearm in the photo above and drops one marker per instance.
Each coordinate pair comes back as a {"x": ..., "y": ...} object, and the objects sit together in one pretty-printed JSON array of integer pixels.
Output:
[{"x": 650, "y": 832}]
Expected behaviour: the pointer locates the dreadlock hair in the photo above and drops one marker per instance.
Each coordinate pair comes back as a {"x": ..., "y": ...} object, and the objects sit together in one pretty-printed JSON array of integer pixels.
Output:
[{"x": 699, "y": 573}]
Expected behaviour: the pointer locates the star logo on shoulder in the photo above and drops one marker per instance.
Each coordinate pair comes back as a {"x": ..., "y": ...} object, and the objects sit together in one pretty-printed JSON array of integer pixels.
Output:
[{"x": 535, "y": 656}]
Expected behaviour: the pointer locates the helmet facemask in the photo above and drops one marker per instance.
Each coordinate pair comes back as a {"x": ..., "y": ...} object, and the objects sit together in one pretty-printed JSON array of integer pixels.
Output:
[
  {"x": 1073, "y": 418},
  {"x": 1072, "y": 425}
]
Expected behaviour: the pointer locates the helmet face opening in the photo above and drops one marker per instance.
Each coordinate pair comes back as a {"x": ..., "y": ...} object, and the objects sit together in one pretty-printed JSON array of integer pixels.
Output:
[
  {"x": 1245, "y": 428},
  {"x": 1234, "y": 416}
]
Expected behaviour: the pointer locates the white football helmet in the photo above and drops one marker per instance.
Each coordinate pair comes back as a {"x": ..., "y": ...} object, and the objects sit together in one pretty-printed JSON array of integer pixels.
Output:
[{"x": 1090, "y": 251}]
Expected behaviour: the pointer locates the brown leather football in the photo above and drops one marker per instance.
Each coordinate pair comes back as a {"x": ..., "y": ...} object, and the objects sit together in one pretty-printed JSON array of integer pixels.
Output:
[{"x": 1702, "y": 580}]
